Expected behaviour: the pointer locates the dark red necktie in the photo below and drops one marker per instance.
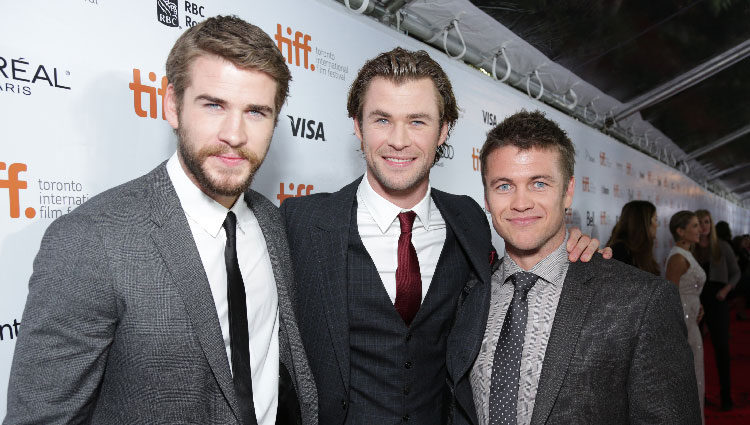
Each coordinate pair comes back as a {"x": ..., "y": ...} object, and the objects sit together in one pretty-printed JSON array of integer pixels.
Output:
[{"x": 408, "y": 277}]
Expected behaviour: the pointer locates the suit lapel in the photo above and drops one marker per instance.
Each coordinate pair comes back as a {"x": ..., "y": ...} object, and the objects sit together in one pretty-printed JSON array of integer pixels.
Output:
[
  {"x": 465, "y": 231},
  {"x": 463, "y": 346},
  {"x": 175, "y": 243},
  {"x": 331, "y": 235},
  {"x": 572, "y": 308},
  {"x": 465, "y": 341}
]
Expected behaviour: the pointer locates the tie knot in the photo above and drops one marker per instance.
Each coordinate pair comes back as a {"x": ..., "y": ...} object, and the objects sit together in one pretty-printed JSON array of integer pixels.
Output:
[
  {"x": 523, "y": 282},
  {"x": 407, "y": 221},
  {"x": 230, "y": 224}
]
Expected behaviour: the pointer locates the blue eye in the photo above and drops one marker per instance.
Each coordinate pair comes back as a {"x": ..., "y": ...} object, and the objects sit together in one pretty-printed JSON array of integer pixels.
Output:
[
  {"x": 504, "y": 187},
  {"x": 540, "y": 185}
]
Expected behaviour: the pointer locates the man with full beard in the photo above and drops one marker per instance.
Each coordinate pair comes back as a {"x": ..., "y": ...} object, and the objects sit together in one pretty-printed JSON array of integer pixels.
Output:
[
  {"x": 166, "y": 299},
  {"x": 380, "y": 264}
]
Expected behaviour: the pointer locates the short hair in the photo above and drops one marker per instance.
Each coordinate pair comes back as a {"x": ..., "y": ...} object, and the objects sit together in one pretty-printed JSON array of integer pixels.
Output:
[
  {"x": 401, "y": 66},
  {"x": 680, "y": 220},
  {"x": 632, "y": 230},
  {"x": 526, "y": 130},
  {"x": 243, "y": 44}
]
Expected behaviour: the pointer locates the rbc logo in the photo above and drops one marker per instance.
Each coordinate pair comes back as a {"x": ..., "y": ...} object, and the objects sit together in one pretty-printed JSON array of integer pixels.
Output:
[{"x": 166, "y": 12}]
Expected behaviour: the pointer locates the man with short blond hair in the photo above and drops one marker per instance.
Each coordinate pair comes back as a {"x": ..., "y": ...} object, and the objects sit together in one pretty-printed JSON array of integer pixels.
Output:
[{"x": 167, "y": 299}]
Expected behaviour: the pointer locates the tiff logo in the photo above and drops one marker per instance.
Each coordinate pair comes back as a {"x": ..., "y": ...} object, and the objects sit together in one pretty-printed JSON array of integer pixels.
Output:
[
  {"x": 302, "y": 190},
  {"x": 603, "y": 217},
  {"x": 301, "y": 42},
  {"x": 166, "y": 12},
  {"x": 475, "y": 163},
  {"x": 602, "y": 158},
  {"x": 14, "y": 185},
  {"x": 586, "y": 184},
  {"x": 139, "y": 89},
  {"x": 299, "y": 125}
]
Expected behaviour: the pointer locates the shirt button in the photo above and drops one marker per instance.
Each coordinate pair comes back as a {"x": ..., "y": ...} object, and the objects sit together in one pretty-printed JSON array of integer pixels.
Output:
[
  {"x": 407, "y": 365},
  {"x": 343, "y": 404}
]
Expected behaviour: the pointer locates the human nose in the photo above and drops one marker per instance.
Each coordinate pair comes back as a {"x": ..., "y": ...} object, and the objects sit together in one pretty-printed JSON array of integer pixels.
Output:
[
  {"x": 521, "y": 200},
  {"x": 399, "y": 137},
  {"x": 232, "y": 131}
]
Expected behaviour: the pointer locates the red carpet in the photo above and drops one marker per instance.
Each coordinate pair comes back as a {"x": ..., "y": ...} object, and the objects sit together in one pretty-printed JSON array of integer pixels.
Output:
[{"x": 739, "y": 348}]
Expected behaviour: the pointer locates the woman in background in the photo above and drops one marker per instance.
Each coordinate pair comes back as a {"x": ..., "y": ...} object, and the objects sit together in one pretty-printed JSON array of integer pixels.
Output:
[
  {"x": 685, "y": 272},
  {"x": 632, "y": 239},
  {"x": 717, "y": 259}
]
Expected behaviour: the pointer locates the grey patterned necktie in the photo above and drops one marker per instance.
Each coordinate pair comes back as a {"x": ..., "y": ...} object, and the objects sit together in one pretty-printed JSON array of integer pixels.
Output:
[{"x": 506, "y": 365}]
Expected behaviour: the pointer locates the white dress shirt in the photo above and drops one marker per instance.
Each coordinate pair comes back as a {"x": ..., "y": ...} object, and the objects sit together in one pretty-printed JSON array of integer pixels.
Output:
[
  {"x": 206, "y": 217},
  {"x": 379, "y": 229}
]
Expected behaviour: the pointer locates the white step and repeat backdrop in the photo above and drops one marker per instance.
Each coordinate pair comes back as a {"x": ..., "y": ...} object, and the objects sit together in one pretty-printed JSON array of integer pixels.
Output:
[{"x": 81, "y": 84}]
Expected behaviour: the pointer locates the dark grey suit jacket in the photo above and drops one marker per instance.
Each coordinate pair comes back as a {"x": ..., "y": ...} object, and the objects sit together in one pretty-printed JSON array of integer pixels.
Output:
[
  {"x": 120, "y": 326},
  {"x": 318, "y": 227},
  {"x": 617, "y": 353}
]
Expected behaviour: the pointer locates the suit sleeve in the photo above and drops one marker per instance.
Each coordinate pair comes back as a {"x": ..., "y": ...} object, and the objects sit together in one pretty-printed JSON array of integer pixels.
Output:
[
  {"x": 67, "y": 327},
  {"x": 661, "y": 385}
]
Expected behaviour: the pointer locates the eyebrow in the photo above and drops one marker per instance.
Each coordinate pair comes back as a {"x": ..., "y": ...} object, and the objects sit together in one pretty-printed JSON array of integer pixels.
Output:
[
  {"x": 418, "y": 115},
  {"x": 379, "y": 113},
  {"x": 509, "y": 180},
  {"x": 218, "y": 101}
]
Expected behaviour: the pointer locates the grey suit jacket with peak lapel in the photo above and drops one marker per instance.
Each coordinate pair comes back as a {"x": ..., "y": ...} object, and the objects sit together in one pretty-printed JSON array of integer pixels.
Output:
[
  {"x": 318, "y": 227},
  {"x": 120, "y": 326},
  {"x": 617, "y": 353}
]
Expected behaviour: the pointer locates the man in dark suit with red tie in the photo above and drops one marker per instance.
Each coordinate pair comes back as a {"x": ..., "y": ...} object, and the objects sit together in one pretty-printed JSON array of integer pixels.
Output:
[{"x": 379, "y": 265}]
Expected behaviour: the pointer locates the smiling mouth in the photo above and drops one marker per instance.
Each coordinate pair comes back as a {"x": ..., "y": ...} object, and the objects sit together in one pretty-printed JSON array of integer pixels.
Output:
[
  {"x": 398, "y": 162},
  {"x": 523, "y": 221}
]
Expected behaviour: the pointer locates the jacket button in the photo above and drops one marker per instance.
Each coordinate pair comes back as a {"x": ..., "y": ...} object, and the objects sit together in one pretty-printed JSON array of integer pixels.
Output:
[
  {"x": 408, "y": 337},
  {"x": 405, "y": 418},
  {"x": 343, "y": 404},
  {"x": 407, "y": 365}
]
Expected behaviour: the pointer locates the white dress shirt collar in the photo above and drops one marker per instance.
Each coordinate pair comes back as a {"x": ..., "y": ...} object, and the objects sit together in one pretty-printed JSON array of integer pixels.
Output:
[
  {"x": 198, "y": 206},
  {"x": 384, "y": 212}
]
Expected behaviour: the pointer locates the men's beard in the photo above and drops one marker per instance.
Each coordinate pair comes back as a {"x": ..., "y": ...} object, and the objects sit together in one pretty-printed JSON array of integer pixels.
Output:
[{"x": 194, "y": 161}]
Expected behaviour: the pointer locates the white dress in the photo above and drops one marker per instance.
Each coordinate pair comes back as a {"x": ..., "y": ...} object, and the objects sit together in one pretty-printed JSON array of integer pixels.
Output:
[{"x": 691, "y": 285}]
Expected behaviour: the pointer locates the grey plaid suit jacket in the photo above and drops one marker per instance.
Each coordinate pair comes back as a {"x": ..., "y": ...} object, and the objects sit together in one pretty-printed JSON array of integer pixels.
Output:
[
  {"x": 120, "y": 326},
  {"x": 318, "y": 227},
  {"x": 617, "y": 353}
]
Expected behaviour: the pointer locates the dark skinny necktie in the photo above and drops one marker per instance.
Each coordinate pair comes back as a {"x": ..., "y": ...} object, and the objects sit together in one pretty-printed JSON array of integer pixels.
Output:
[
  {"x": 506, "y": 366},
  {"x": 239, "y": 340},
  {"x": 408, "y": 277}
]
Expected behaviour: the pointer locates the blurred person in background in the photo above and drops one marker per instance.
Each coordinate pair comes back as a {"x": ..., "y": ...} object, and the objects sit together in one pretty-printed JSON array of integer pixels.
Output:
[
  {"x": 741, "y": 246},
  {"x": 685, "y": 272},
  {"x": 632, "y": 239},
  {"x": 717, "y": 259}
]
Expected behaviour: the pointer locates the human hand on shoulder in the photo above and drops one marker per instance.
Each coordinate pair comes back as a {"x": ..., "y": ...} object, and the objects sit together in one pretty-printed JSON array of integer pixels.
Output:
[{"x": 584, "y": 246}]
